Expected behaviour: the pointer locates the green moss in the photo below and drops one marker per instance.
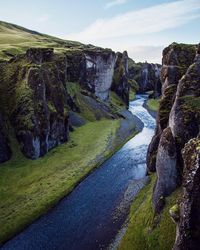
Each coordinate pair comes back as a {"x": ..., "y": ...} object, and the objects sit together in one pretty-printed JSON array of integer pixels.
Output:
[
  {"x": 24, "y": 101},
  {"x": 166, "y": 103},
  {"x": 132, "y": 95},
  {"x": 153, "y": 104},
  {"x": 190, "y": 106},
  {"x": 133, "y": 85},
  {"x": 72, "y": 88},
  {"x": 175, "y": 213},
  {"x": 115, "y": 100},
  {"x": 51, "y": 107},
  {"x": 29, "y": 188},
  {"x": 118, "y": 73},
  {"x": 145, "y": 230}
]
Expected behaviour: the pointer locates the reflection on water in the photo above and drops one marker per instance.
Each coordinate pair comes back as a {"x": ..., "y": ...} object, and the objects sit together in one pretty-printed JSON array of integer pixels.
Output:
[{"x": 86, "y": 219}]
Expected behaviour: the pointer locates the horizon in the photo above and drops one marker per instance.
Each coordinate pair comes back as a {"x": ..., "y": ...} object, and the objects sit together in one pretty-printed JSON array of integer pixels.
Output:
[{"x": 143, "y": 29}]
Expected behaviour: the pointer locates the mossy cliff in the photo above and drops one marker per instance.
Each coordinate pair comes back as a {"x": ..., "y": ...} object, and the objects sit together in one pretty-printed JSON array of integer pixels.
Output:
[
  {"x": 146, "y": 76},
  {"x": 174, "y": 155},
  {"x": 176, "y": 59},
  {"x": 46, "y": 90}
]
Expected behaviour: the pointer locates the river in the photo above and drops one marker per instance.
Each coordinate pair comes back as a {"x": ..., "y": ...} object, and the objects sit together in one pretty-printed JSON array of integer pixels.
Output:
[{"x": 91, "y": 216}]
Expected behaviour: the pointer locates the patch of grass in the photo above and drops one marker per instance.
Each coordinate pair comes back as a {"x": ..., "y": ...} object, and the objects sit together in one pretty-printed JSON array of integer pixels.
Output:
[
  {"x": 29, "y": 188},
  {"x": 145, "y": 230},
  {"x": 115, "y": 99},
  {"x": 72, "y": 88},
  {"x": 153, "y": 104},
  {"x": 131, "y": 95}
]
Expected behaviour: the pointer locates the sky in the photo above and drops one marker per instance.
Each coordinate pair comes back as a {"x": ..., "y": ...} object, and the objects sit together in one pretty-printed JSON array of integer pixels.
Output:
[{"x": 142, "y": 27}]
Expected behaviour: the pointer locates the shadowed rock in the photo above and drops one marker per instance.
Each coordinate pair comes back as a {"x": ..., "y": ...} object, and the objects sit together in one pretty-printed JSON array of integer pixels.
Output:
[
  {"x": 176, "y": 59},
  {"x": 166, "y": 168},
  {"x": 188, "y": 225},
  {"x": 120, "y": 83},
  {"x": 5, "y": 152}
]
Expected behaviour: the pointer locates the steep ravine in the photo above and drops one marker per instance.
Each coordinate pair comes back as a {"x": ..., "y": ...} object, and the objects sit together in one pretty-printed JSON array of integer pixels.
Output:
[
  {"x": 172, "y": 196},
  {"x": 90, "y": 217}
]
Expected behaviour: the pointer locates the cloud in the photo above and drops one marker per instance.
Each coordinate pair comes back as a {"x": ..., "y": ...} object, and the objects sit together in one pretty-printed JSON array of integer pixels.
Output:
[
  {"x": 114, "y": 3},
  {"x": 145, "y": 21},
  {"x": 43, "y": 19},
  {"x": 151, "y": 54}
]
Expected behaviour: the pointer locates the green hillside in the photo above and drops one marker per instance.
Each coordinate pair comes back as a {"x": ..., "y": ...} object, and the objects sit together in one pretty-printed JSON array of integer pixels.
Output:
[{"x": 15, "y": 39}]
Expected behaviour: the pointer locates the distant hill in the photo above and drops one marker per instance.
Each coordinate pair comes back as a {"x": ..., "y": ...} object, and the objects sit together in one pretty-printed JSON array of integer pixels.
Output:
[{"x": 15, "y": 39}]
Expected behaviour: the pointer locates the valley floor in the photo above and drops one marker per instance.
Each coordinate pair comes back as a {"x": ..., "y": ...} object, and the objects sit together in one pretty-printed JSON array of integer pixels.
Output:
[{"x": 29, "y": 188}]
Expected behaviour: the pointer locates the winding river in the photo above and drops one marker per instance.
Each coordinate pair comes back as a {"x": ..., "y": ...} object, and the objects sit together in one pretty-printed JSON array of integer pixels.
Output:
[{"x": 91, "y": 216}]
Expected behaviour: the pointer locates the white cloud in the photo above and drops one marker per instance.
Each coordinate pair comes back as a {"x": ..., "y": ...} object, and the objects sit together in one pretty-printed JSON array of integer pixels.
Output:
[
  {"x": 114, "y": 3},
  {"x": 151, "y": 54},
  {"x": 43, "y": 19},
  {"x": 145, "y": 21}
]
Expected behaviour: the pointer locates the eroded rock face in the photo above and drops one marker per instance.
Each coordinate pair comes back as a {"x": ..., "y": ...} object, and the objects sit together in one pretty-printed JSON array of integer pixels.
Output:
[
  {"x": 185, "y": 114},
  {"x": 99, "y": 73},
  {"x": 44, "y": 87},
  {"x": 5, "y": 152},
  {"x": 176, "y": 59},
  {"x": 39, "y": 55},
  {"x": 120, "y": 83},
  {"x": 152, "y": 153},
  {"x": 166, "y": 168},
  {"x": 40, "y": 117},
  {"x": 150, "y": 78},
  {"x": 147, "y": 76},
  {"x": 188, "y": 225}
]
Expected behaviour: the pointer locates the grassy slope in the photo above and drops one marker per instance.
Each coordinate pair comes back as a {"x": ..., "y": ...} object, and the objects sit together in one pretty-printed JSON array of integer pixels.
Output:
[
  {"x": 28, "y": 188},
  {"x": 153, "y": 104},
  {"x": 15, "y": 39},
  {"x": 143, "y": 231}
]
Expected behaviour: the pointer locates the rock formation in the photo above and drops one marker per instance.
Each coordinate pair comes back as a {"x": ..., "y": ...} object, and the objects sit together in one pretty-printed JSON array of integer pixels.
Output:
[
  {"x": 147, "y": 76},
  {"x": 177, "y": 155},
  {"x": 120, "y": 83},
  {"x": 44, "y": 91},
  {"x": 188, "y": 223},
  {"x": 176, "y": 59},
  {"x": 5, "y": 152}
]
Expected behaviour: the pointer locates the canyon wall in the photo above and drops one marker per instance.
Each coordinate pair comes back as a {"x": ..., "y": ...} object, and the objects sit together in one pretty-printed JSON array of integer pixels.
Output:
[
  {"x": 43, "y": 93},
  {"x": 174, "y": 150},
  {"x": 147, "y": 76}
]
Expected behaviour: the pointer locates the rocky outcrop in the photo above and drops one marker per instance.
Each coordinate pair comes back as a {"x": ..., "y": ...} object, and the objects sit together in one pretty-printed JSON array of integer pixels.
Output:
[
  {"x": 40, "y": 114},
  {"x": 5, "y": 152},
  {"x": 120, "y": 83},
  {"x": 147, "y": 75},
  {"x": 188, "y": 222},
  {"x": 48, "y": 93},
  {"x": 184, "y": 117},
  {"x": 150, "y": 78},
  {"x": 99, "y": 73},
  {"x": 178, "y": 152},
  {"x": 166, "y": 169},
  {"x": 39, "y": 55},
  {"x": 176, "y": 59}
]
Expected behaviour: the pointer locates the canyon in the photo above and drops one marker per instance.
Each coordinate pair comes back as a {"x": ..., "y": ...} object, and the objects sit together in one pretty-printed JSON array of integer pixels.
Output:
[{"x": 65, "y": 109}]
